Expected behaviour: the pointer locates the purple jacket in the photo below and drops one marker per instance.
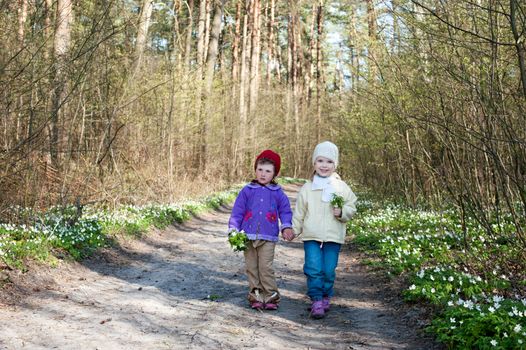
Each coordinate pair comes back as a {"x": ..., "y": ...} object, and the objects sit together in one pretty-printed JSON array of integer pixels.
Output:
[{"x": 257, "y": 209}]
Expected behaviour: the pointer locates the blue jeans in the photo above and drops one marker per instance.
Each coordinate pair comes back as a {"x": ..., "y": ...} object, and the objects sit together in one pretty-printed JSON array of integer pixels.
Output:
[{"x": 320, "y": 268}]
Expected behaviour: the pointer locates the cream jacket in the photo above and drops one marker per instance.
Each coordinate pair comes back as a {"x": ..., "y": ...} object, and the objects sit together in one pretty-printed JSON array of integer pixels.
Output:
[{"x": 313, "y": 218}]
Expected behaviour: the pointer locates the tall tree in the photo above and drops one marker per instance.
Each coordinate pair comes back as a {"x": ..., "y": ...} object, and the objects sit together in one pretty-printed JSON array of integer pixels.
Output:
[
  {"x": 142, "y": 32},
  {"x": 215, "y": 31},
  {"x": 61, "y": 45}
]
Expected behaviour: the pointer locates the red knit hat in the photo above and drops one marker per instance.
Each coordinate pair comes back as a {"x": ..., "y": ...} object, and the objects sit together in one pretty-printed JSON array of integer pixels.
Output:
[{"x": 272, "y": 156}]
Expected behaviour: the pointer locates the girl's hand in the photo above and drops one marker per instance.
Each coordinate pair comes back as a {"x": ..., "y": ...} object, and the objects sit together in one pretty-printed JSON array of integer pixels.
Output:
[
  {"x": 288, "y": 234},
  {"x": 337, "y": 212}
]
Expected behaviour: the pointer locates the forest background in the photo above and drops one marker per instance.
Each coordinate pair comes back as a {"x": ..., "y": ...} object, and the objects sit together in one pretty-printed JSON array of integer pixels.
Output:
[{"x": 150, "y": 101}]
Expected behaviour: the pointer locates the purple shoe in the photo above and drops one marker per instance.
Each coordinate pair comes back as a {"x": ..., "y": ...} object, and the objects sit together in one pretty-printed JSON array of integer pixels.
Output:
[
  {"x": 257, "y": 305},
  {"x": 271, "y": 306},
  {"x": 316, "y": 310},
  {"x": 326, "y": 303}
]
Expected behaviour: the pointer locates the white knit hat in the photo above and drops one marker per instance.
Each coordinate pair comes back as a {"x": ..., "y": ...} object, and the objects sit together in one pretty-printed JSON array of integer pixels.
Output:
[{"x": 328, "y": 150}]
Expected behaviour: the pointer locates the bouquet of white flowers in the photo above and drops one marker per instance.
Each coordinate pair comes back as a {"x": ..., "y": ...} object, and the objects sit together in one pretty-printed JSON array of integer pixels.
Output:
[{"x": 238, "y": 240}]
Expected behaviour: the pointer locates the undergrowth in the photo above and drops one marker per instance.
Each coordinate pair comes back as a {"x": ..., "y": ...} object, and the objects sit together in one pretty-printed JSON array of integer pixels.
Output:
[{"x": 475, "y": 280}]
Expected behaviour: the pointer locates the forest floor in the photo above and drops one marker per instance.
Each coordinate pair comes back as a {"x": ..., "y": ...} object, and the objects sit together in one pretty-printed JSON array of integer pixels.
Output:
[{"x": 183, "y": 288}]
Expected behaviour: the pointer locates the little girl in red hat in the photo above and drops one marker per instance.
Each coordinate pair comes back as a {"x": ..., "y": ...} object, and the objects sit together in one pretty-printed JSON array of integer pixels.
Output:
[{"x": 256, "y": 211}]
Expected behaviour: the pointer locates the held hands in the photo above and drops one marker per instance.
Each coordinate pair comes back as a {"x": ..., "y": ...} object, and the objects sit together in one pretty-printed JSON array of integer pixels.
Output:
[
  {"x": 337, "y": 212},
  {"x": 288, "y": 234}
]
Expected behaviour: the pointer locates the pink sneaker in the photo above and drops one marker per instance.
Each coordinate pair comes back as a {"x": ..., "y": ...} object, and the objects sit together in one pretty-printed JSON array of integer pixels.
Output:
[
  {"x": 316, "y": 310},
  {"x": 257, "y": 305},
  {"x": 326, "y": 304},
  {"x": 271, "y": 306}
]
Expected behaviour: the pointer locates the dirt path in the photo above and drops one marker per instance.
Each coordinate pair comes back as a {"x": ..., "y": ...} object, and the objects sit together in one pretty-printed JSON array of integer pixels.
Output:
[{"x": 182, "y": 288}]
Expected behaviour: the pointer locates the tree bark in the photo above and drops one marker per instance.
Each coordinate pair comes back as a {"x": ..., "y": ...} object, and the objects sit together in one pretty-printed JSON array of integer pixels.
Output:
[
  {"x": 254, "y": 60},
  {"x": 215, "y": 31},
  {"x": 22, "y": 19},
  {"x": 519, "y": 44},
  {"x": 319, "y": 69},
  {"x": 235, "y": 49},
  {"x": 271, "y": 60},
  {"x": 188, "y": 40},
  {"x": 61, "y": 44},
  {"x": 142, "y": 32},
  {"x": 201, "y": 36},
  {"x": 243, "y": 85},
  {"x": 371, "y": 25}
]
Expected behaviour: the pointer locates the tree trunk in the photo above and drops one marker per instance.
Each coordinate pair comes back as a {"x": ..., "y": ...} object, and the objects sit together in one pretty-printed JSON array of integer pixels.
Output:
[
  {"x": 61, "y": 44},
  {"x": 207, "y": 28},
  {"x": 371, "y": 25},
  {"x": 201, "y": 36},
  {"x": 243, "y": 88},
  {"x": 519, "y": 44},
  {"x": 142, "y": 33},
  {"x": 319, "y": 70},
  {"x": 271, "y": 60},
  {"x": 22, "y": 19},
  {"x": 188, "y": 40},
  {"x": 211, "y": 59},
  {"x": 254, "y": 59},
  {"x": 309, "y": 77},
  {"x": 395, "y": 47},
  {"x": 235, "y": 49}
]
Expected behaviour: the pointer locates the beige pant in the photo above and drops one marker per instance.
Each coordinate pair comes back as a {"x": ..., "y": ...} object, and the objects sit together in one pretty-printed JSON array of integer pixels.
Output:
[{"x": 259, "y": 257}]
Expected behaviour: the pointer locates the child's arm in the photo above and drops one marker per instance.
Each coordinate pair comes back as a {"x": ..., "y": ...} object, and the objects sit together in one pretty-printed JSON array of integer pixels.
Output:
[
  {"x": 285, "y": 216},
  {"x": 284, "y": 211},
  {"x": 299, "y": 211},
  {"x": 349, "y": 205},
  {"x": 238, "y": 211}
]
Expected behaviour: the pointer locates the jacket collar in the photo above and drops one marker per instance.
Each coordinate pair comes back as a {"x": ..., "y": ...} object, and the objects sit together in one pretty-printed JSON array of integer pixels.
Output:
[{"x": 271, "y": 187}]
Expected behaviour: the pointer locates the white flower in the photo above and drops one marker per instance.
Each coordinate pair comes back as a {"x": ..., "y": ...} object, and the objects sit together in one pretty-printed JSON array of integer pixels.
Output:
[
  {"x": 412, "y": 287},
  {"x": 432, "y": 290},
  {"x": 497, "y": 298},
  {"x": 452, "y": 320},
  {"x": 494, "y": 342},
  {"x": 491, "y": 309},
  {"x": 520, "y": 341},
  {"x": 450, "y": 279},
  {"x": 469, "y": 304},
  {"x": 517, "y": 328}
]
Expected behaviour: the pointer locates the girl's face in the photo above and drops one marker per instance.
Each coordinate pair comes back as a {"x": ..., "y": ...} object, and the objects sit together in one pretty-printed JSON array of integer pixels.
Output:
[
  {"x": 264, "y": 173},
  {"x": 324, "y": 167}
]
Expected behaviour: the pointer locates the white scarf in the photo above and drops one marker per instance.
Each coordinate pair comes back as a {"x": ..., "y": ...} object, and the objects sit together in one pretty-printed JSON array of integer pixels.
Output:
[{"x": 324, "y": 184}]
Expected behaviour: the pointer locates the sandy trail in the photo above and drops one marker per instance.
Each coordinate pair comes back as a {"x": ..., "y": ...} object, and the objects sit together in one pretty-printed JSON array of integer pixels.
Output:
[{"x": 182, "y": 288}]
